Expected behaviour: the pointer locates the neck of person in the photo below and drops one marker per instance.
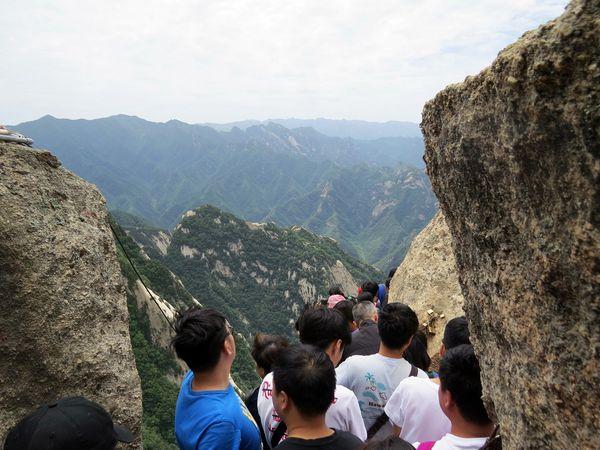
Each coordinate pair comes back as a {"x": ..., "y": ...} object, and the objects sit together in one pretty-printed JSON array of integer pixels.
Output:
[
  {"x": 390, "y": 352},
  {"x": 215, "y": 379},
  {"x": 464, "y": 429},
  {"x": 307, "y": 427}
]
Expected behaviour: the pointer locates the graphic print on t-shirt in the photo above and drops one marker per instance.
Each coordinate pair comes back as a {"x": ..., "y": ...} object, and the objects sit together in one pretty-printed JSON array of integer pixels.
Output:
[{"x": 374, "y": 394}]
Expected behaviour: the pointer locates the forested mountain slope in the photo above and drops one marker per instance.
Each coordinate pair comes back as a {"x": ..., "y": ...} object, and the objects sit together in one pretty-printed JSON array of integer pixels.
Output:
[{"x": 159, "y": 170}]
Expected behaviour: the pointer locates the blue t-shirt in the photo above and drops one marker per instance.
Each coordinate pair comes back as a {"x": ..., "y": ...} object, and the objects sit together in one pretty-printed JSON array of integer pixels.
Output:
[{"x": 213, "y": 420}]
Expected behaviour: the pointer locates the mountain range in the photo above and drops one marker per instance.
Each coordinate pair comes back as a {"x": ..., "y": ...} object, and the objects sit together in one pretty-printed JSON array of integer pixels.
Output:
[{"x": 370, "y": 195}]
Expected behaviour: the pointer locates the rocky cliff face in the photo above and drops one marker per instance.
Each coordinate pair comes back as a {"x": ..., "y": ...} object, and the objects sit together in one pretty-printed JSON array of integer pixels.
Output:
[
  {"x": 63, "y": 314},
  {"x": 513, "y": 155},
  {"x": 427, "y": 280}
]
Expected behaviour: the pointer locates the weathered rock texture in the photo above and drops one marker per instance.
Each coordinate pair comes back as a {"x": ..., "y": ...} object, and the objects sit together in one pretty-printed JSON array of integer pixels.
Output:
[
  {"x": 427, "y": 280},
  {"x": 63, "y": 316},
  {"x": 513, "y": 156}
]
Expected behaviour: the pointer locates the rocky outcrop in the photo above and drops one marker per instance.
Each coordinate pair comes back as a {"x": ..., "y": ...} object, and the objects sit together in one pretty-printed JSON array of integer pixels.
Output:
[
  {"x": 63, "y": 314},
  {"x": 427, "y": 281},
  {"x": 513, "y": 156}
]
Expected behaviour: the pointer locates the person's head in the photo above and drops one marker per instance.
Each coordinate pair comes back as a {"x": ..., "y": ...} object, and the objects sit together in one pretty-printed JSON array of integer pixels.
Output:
[
  {"x": 364, "y": 311},
  {"x": 387, "y": 283},
  {"x": 303, "y": 383},
  {"x": 334, "y": 300},
  {"x": 203, "y": 339},
  {"x": 345, "y": 307},
  {"x": 392, "y": 272},
  {"x": 371, "y": 287},
  {"x": 456, "y": 333},
  {"x": 336, "y": 290},
  {"x": 265, "y": 350},
  {"x": 326, "y": 329},
  {"x": 389, "y": 443},
  {"x": 460, "y": 386},
  {"x": 365, "y": 297},
  {"x": 416, "y": 353},
  {"x": 397, "y": 325},
  {"x": 70, "y": 423}
]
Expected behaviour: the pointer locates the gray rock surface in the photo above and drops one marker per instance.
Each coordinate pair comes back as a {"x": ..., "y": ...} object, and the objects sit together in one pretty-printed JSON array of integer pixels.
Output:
[
  {"x": 513, "y": 156},
  {"x": 427, "y": 281},
  {"x": 64, "y": 325}
]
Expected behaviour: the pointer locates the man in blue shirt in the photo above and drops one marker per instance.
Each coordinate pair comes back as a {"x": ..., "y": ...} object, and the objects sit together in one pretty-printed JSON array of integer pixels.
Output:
[{"x": 209, "y": 414}]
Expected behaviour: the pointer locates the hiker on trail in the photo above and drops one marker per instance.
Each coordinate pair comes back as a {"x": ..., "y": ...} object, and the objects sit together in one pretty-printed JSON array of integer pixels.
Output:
[
  {"x": 265, "y": 350},
  {"x": 414, "y": 409},
  {"x": 417, "y": 354},
  {"x": 374, "y": 378},
  {"x": 460, "y": 399},
  {"x": 69, "y": 423},
  {"x": 365, "y": 297},
  {"x": 365, "y": 341},
  {"x": 209, "y": 414},
  {"x": 372, "y": 288},
  {"x": 303, "y": 391},
  {"x": 345, "y": 307},
  {"x": 327, "y": 330},
  {"x": 334, "y": 300}
]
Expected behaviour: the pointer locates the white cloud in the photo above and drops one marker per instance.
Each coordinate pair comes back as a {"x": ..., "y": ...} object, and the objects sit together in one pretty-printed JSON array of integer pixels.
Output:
[{"x": 214, "y": 60}]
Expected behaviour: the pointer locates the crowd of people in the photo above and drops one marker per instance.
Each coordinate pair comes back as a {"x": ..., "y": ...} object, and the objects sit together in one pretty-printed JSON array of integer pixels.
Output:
[{"x": 359, "y": 378}]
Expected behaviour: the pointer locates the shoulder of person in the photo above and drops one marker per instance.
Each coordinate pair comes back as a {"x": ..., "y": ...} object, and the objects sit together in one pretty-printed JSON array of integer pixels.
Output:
[
  {"x": 343, "y": 393},
  {"x": 421, "y": 374},
  {"x": 348, "y": 438}
]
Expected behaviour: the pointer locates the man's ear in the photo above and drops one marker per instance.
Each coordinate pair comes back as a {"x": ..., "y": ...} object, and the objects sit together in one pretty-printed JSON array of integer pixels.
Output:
[
  {"x": 442, "y": 350},
  {"x": 283, "y": 401},
  {"x": 229, "y": 345}
]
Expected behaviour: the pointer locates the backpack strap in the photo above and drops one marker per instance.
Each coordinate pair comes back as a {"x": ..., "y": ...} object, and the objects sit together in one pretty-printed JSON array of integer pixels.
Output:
[
  {"x": 379, "y": 422},
  {"x": 426, "y": 445},
  {"x": 413, "y": 371},
  {"x": 278, "y": 433}
]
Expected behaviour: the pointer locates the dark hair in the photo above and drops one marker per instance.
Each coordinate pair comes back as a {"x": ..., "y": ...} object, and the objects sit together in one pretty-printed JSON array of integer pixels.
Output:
[
  {"x": 322, "y": 326},
  {"x": 416, "y": 353},
  {"x": 397, "y": 324},
  {"x": 387, "y": 283},
  {"x": 392, "y": 272},
  {"x": 336, "y": 290},
  {"x": 456, "y": 332},
  {"x": 371, "y": 287},
  {"x": 306, "y": 374},
  {"x": 460, "y": 374},
  {"x": 389, "y": 443},
  {"x": 365, "y": 297},
  {"x": 345, "y": 307},
  {"x": 266, "y": 348},
  {"x": 199, "y": 337}
]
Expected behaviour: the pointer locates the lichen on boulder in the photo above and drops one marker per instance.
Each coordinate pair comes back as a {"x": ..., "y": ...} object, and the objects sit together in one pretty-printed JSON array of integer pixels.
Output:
[
  {"x": 513, "y": 156},
  {"x": 64, "y": 325}
]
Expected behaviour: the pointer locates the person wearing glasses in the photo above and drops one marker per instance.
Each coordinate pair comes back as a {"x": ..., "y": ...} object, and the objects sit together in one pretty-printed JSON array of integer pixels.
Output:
[{"x": 209, "y": 414}]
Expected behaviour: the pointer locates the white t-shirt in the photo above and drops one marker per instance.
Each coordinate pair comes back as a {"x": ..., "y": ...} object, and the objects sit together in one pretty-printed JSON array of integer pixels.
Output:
[
  {"x": 414, "y": 406},
  {"x": 373, "y": 379},
  {"x": 343, "y": 414},
  {"x": 451, "y": 442}
]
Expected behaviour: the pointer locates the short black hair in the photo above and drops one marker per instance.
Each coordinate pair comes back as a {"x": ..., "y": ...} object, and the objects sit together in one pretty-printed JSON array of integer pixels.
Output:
[
  {"x": 345, "y": 307},
  {"x": 416, "y": 353},
  {"x": 370, "y": 286},
  {"x": 266, "y": 349},
  {"x": 456, "y": 332},
  {"x": 389, "y": 443},
  {"x": 460, "y": 374},
  {"x": 336, "y": 290},
  {"x": 365, "y": 297},
  {"x": 306, "y": 374},
  {"x": 392, "y": 272},
  {"x": 199, "y": 337},
  {"x": 322, "y": 326},
  {"x": 397, "y": 324},
  {"x": 387, "y": 283}
]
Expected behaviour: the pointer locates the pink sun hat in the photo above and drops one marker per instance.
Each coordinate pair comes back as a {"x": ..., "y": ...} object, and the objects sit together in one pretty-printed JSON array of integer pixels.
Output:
[{"x": 334, "y": 300}]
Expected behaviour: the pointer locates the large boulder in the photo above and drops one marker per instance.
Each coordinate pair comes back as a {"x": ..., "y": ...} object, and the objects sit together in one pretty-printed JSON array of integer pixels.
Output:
[
  {"x": 64, "y": 325},
  {"x": 513, "y": 156},
  {"x": 427, "y": 281}
]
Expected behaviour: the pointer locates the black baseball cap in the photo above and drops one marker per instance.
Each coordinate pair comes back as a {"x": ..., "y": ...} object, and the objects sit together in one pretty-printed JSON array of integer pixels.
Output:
[{"x": 73, "y": 423}]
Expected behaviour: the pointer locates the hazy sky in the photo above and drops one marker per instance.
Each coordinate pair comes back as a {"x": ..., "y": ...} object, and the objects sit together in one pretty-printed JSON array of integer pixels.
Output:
[{"x": 225, "y": 60}]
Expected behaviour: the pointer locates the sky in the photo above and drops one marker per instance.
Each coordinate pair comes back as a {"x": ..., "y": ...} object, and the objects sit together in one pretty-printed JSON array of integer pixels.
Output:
[{"x": 227, "y": 60}]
